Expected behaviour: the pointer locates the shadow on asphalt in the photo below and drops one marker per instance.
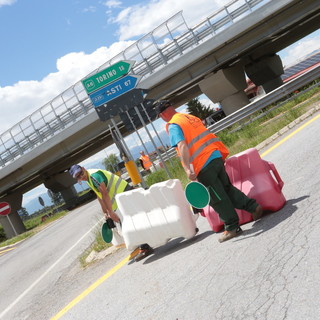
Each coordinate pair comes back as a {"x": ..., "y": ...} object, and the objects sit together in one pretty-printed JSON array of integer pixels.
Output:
[
  {"x": 175, "y": 245},
  {"x": 270, "y": 220}
]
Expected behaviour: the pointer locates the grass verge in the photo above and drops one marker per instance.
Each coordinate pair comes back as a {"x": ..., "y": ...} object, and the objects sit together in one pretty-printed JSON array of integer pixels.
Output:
[
  {"x": 97, "y": 246},
  {"x": 33, "y": 225}
]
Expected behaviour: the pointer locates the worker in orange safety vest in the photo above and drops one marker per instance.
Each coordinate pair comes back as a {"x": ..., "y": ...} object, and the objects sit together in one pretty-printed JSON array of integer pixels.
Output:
[
  {"x": 202, "y": 155},
  {"x": 145, "y": 161}
]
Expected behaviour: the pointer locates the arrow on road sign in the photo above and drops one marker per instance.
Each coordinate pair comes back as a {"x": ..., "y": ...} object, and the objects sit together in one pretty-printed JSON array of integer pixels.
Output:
[
  {"x": 4, "y": 208},
  {"x": 114, "y": 90},
  {"x": 107, "y": 75}
]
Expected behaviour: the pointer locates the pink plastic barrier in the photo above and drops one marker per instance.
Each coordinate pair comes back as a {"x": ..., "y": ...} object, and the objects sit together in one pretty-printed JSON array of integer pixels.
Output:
[{"x": 258, "y": 179}]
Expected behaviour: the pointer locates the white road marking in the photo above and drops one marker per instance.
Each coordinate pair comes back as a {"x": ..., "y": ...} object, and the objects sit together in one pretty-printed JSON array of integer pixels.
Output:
[{"x": 5, "y": 311}]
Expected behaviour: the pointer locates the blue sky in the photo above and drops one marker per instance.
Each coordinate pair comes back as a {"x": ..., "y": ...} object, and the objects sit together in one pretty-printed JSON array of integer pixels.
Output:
[
  {"x": 36, "y": 33},
  {"x": 47, "y": 46}
]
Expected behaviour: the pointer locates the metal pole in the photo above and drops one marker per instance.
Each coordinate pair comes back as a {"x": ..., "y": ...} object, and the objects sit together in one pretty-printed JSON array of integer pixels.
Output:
[
  {"x": 156, "y": 132},
  {"x": 117, "y": 142},
  {"x": 120, "y": 139},
  {"x": 15, "y": 232},
  {"x": 158, "y": 153},
  {"x": 137, "y": 132},
  {"x": 143, "y": 183}
]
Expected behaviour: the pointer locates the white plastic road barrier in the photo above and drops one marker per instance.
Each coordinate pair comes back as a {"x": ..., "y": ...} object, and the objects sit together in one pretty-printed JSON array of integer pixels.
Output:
[{"x": 156, "y": 215}]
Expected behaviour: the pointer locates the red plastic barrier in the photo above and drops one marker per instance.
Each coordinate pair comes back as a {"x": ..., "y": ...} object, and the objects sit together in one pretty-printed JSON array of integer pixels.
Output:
[{"x": 258, "y": 179}]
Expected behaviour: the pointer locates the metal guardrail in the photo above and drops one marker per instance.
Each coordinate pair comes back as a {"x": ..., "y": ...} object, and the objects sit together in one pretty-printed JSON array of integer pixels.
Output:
[
  {"x": 263, "y": 102},
  {"x": 163, "y": 45},
  {"x": 266, "y": 100}
]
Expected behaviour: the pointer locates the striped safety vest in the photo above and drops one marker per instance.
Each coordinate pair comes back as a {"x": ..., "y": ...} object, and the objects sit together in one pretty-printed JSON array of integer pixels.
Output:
[
  {"x": 146, "y": 162},
  {"x": 115, "y": 185},
  {"x": 200, "y": 141}
]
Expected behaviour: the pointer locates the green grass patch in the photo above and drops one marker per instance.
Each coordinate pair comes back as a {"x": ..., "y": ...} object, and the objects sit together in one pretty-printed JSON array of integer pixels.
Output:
[
  {"x": 270, "y": 123},
  {"x": 98, "y": 245},
  {"x": 174, "y": 167},
  {"x": 18, "y": 238},
  {"x": 32, "y": 225}
]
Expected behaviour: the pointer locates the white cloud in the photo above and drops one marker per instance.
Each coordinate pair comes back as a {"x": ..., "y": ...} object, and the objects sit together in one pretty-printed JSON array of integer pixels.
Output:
[
  {"x": 6, "y": 2},
  {"x": 112, "y": 4},
  {"x": 98, "y": 157},
  {"x": 34, "y": 193},
  {"x": 142, "y": 18},
  {"x": 300, "y": 49},
  {"x": 90, "y": 9},
  {"x": 25, "y": 97},
  {"x": 207, "y": 102}
]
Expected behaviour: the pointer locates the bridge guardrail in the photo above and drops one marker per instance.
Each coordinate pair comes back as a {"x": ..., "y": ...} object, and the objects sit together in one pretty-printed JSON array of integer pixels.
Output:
[
  {"x": 266, "y": 100},
  {"x": 165, "y": 43},
  {"x": 259, "y": 104}
]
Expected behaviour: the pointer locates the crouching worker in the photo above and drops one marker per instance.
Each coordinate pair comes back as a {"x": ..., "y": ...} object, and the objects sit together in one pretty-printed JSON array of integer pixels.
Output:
[{"x": 107, "y": 185}]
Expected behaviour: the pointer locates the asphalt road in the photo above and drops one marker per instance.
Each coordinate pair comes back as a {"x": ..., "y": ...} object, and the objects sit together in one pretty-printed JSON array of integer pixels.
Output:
[
  {"x": 32, "y": 267},
  {"x": 272, "y": 271}
]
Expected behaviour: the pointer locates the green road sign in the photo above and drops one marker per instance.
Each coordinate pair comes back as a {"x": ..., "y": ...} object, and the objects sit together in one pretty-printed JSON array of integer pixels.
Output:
[{"x": 107, "y": 75}]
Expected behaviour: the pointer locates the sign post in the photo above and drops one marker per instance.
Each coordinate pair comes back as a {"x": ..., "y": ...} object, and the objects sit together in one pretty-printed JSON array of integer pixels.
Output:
[
  {"x": 108, "y": 75},
  {"x": 41, "y": 201},
  {"x": 5, "y": 210}
]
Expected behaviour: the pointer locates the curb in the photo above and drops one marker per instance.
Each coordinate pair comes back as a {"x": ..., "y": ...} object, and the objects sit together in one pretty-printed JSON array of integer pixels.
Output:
[
  {"x": 288, "y": 127},
  {"x": 11, "y": 245},
  {"x": 94, "y": 255}
]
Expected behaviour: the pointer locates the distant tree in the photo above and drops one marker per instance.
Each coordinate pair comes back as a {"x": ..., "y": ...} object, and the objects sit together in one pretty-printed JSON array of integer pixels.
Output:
[
  {"x": 56, "y": 197},
  {"x": 23, "y": 213},
  {"x": 138, "y": 162},
  {"x": 111, "y": 163},
  {"x": 196, "y": 108}
]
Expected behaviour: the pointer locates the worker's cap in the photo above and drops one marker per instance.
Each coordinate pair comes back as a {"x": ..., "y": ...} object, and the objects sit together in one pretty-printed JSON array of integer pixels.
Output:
[
  {"x": 75, "y": 170},
  {"x": 161, "y": 106}
]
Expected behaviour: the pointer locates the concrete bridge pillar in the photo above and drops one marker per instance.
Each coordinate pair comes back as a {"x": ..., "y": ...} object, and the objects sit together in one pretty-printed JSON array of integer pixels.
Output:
[
  {"x": 12, "y": 223},
  {"x": 266, "y": 72},
  {"x": 63, "y": 183},
  {"x": 226, "y": 87}
]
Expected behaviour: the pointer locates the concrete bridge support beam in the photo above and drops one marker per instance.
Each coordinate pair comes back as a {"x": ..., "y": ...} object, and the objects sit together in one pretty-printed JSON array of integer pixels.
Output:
[
  {"x": 63, "y": 183},
  {"x": 266, "y": 72},
  {"x": 12, "y": 223},
  {"x": 226, "y": 87}
]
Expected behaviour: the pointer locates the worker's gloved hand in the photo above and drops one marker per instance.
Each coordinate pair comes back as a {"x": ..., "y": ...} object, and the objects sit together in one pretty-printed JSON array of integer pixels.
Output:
[
  {"x": 110, "y": 223},
  {"x": 114, "y": 216}
]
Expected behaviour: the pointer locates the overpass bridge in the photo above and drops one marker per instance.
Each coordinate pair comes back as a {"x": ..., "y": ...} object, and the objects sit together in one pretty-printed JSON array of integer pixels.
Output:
[{"x": 176, "y": 62}]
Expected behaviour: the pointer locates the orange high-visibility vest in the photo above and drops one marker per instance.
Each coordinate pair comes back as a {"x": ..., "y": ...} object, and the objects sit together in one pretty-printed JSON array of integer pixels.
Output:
[
  {"x": 115, "y": 185},
  {"x": 200, "y": 141},
  {"x": 146, "y": 162}
]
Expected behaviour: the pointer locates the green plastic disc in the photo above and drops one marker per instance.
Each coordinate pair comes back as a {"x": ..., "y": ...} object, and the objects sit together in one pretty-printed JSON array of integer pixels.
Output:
[
  {"x": 106, "y": 233},
  {"x": 197, "y": 194}
]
